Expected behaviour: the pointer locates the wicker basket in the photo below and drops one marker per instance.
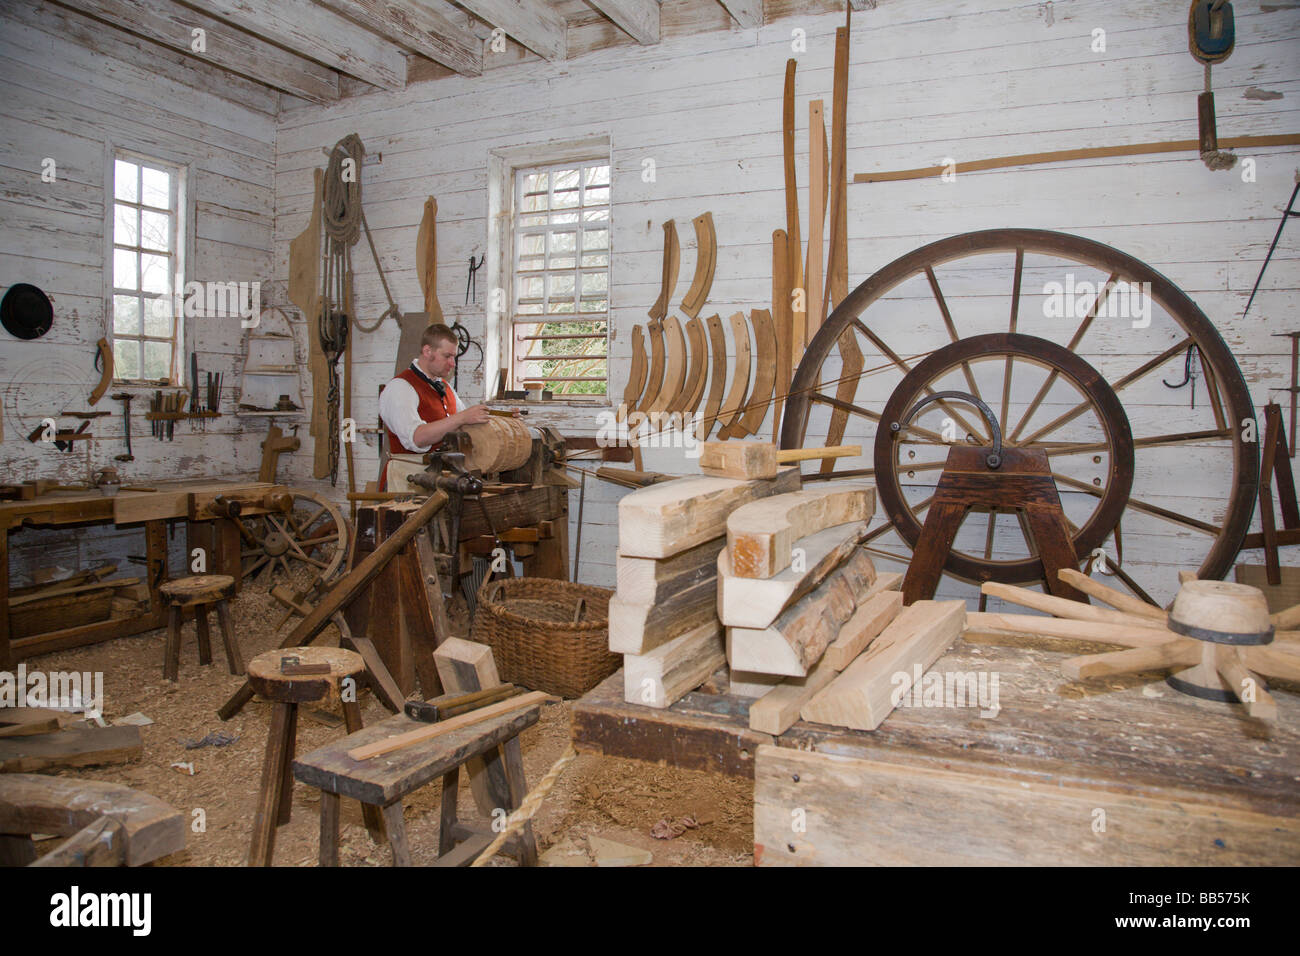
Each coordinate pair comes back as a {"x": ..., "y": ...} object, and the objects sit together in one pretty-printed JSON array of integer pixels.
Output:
[{"x": 546, "y": 634}]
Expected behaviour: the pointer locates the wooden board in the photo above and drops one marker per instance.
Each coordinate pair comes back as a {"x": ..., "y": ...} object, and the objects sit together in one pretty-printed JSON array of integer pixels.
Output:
[
  {"x": 751, "y": 602},
  {"x": 816, "y": 215},
  {"x": 717, "y": 377},
  {"x": 74, "y": 747},
  {"x": 426, "y": 259},
  {"x": 667, "y": 673},
  {"x": 761, "y": 535},
  {"x": 669, "y": 517},
  {"x": 794, "y": 244},
  {"x": 796, "y": 640},
  {"x": 638, "y": 628},
  {"x": 651, "y": 580},
  {"x": 732, "y": 406},
  {"x": 777, "y": 711},
  {"x": 172, "y": 499},
  {"x": 30, "y": 803},
  {"x": 873, "y": 614},
  {"x": 782, "y": 324},
  {"x": 864, "y": 694}
]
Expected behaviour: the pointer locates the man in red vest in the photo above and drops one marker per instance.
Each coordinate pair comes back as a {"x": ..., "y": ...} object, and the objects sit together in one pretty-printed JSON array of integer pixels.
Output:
[{"x": 419, "y": 407}]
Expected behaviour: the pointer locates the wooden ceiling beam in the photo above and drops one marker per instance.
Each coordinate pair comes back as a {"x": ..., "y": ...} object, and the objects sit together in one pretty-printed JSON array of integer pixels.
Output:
[
  {"x": 421, "y": 27},
  {"x": 532, "y": 23},
  {"x": 746, "y": 13},
  {"x": 317, "y": 33},
  {"x": 224, "y": 46},
  {"x": 639, "y": 19}
]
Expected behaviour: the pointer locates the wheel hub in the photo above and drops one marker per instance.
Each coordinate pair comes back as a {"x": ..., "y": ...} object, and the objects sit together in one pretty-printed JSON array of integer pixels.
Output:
[{"x": 276, "y": 544}]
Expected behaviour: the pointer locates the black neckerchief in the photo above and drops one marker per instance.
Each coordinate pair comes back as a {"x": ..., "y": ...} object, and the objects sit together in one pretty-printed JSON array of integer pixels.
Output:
[{"x": 438, "y": 387}]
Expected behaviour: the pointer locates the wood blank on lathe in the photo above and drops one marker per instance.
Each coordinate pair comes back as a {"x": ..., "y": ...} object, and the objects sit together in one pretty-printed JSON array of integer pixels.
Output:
[{"x": 761, "y": 535}]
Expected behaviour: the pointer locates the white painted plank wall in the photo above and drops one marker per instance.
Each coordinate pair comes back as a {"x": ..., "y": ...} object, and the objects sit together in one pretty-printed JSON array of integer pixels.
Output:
[
  {"x": 967, "y": 79},
  {"x": 72, "y": 89}
]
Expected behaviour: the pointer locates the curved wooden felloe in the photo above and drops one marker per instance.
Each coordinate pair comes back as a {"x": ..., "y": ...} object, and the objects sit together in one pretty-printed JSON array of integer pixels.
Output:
[
  {"x": 740, "y": 377},
  {"x": 668, "y": 276},
  {"x": 718, "y": 378},
  {"x": 764, "y": 372},
  {"x": 106, "y": 370},
  {"x": 674, "y": 366},
  {"x": 636, "y": 376},
  {"x": 706, "y": 260},
  {"x": 655, "y": 378},
  {"x": 696, "y": 378}
]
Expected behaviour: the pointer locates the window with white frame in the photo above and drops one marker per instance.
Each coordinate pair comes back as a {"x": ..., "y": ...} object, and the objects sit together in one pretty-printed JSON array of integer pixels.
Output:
[
  {"x": 146, "y": 261},
  {"x": 559, "y": 316}
]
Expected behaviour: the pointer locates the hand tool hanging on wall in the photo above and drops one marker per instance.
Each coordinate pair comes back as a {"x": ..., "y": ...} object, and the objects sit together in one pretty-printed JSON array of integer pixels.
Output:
[
  {"x": 471, "y": 280},
  {"x": 103, "y": 362},
  {"x": 1210, "y": 36},
  {"x": 194, "y": 381},
  {"x": 1286, "y": 214},
  {"x": 1190, "y": 363},
  {"x": 125, "y": 399}
]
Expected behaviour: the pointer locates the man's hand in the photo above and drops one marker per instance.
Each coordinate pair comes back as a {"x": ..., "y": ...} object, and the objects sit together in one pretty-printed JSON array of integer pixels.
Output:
[{"x": 474, "y": 415}]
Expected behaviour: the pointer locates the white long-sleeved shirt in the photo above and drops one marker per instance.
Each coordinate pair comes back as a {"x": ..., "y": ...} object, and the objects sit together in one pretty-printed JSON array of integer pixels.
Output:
[{"x": 399, "y": 406}]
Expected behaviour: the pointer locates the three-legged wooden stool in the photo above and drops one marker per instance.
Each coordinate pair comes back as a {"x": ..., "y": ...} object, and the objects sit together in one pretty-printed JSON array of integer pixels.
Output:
[
  {"x": 286, "y": 689},
  {"x": 383, "y": 781},
  {"x": 199, "y": 592}
]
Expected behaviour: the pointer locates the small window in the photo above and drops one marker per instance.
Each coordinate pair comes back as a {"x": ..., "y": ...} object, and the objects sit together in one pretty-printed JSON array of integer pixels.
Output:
[
  {"x": 560, "y": 298},
  {"x": 148, "y": 199}
]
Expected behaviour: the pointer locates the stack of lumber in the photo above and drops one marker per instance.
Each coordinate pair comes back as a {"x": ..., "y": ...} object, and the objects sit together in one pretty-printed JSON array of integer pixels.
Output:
[
  {"x": 39, "y": 738},
  {"x": 664, "y": 614},
  {"x": 83, "y": 598},
  {"x": 812, "y": 629}
]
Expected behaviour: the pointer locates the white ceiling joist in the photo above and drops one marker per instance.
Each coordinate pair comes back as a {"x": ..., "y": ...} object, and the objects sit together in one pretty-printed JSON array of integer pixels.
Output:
[
  {"x": 419, "y": 26},
  {"x": 533, "y": 23},
  {"x": 639, "y": 19}
]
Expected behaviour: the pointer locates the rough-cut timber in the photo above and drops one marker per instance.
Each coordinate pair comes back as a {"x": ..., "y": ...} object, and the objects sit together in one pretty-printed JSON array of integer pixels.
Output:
[
  {"x": 667, "y": 518},
  {"x": 800, "y": 635},
  {"x": 74, "y": 747},
  {"x": 864, "y": 694},
  {"x": 753, "y": 602},
  {"x": 664, "y": 675},
  {"x": 648, "y": 580},
  {"x": 775, "y": 712},
  {"x": 761, "y": 535},
  {"x": 639, "y": 628},
  {"x": 871, "y": 617}
]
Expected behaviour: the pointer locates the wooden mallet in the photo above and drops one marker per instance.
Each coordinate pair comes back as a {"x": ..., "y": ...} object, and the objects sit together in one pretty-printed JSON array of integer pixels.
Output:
[{"x": 756, "y": 459}]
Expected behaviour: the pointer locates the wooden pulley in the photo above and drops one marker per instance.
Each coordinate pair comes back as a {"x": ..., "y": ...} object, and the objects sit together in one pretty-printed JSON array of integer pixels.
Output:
[{"x": 498, "y": 444}]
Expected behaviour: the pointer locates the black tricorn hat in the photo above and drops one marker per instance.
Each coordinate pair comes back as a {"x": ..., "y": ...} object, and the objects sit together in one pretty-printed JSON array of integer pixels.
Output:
[{"x": 26, "y": 311}]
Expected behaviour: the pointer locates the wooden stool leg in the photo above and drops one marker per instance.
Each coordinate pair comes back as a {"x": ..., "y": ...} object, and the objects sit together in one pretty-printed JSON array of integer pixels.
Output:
[
  {"x": 268, "y": 798},
  {"x": 329, "y": 829},
  {"x": 369, "y": 812},
  {"x": 518, "y": 790},
  {"x": 233, "y": 656},
  {"x": 286, "y": 777},
  {"x": 205, "y": 637},
  {"x": 450, "y": 792},
  {"x": 397, "y": 834},
  {"x": 172, "y": 652}
]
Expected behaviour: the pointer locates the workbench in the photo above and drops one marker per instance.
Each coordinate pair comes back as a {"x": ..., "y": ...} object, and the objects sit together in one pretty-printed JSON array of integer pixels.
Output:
[
  {"x": 153, "y": 509},
  {"x": 1120, "y": 771}
]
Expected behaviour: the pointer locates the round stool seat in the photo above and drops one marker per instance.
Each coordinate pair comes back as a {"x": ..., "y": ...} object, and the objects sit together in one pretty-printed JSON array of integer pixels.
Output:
[
  {"x": 198, "y": 589},
  {"x": 267, "y": 679}
]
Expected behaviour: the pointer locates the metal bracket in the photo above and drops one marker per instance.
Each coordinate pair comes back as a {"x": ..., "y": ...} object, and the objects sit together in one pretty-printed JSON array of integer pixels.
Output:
[{"x": 994, "y": 458}]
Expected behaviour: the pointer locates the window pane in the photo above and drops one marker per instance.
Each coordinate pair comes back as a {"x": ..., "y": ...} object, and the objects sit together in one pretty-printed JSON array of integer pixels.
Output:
[
  {"x": 558, "y": 308},
  {"x": 534, "y": 203},
  {"x": 597, "y": 176},
  {"x": 125, "y": 181},
  {"x": 566, "y": 199},
  {"x": 158, "y": 317},
  {"x": 532, "y": 220},
  {"x": 595, "y": 239},
  {"x": 536, "y": 182},
  {"x": 126, "y": 315},
  {"x": 596, "y": 196},
  {"x": 563, "y": 241},
  {"x": 155, "y": 188},
  {"x": 157, "y": 359},
  {"x": 155, "y": 230},
  {"x": 529, "y": 310},
  {"x": 561, "y": 286},
  {"x": 595, "y": 305},
  {"x": 531, "y": 245},
  {"x": 594, "y": 282},
  {"x": 126, "y": 358},
  {"x": 566, "y": 179},
  {"x": 126, "y": 231},
  {"x": 596, "y": 215},
  {"x": 592, "y": 261},
  {"x": 153, "y": 274},
  {"x": 124, "y": 265},
  {"x": 564, "y": 218}
]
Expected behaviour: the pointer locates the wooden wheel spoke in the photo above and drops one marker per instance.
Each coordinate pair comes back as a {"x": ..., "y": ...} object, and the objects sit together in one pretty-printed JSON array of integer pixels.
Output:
[
  {"x": 952, "y": 328},
  {"x": 313, "y": 542},
  {"x": 988, "y": 535},
  {"x": 901, "y": 558},
  {"x": 1115, "y": 386},
  {"x": 872, "y": 416},
  {"x": 887, "y": 527},
  {"x": 1143, "y": 506},
  {"x": 1056, "y": 449}
]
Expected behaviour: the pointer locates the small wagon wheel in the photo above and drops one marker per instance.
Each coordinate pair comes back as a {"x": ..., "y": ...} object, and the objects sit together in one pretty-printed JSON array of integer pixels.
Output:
[
  {"x": 1072, "y": 343},
  {"x": 313, "y": 534}
]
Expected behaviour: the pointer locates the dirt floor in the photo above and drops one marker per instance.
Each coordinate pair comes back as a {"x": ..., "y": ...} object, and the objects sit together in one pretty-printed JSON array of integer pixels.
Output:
[{"x": 602, "y": 797}]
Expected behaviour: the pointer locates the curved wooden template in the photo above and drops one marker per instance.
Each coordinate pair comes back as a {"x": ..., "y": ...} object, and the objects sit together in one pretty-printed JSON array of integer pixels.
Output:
[
  {"x": 674, "y": 366},
  {"x": 636, "y": 376},
  {"x": 106, "y": 371},
  {"x": 740, "y": 377},
  {"x": 718, "y": 379},
  {"x": 782, "y": 324},
  {"x": 655, "y": 378},
  {"x": 668, "y": 275},
  {"x": 816, "y": 217},
  {"x": 426, "y": 260},
  {"x": 794, "y": 248},
  {"x": 706, "y": 261},
  {"x": 697, "y": 377},
  {"x": 764, "y": 371}
]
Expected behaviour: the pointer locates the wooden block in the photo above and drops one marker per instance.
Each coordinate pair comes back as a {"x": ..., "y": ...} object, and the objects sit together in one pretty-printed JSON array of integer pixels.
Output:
[
  {"x": 800, "y": 635},
  {"x": 864, "y": 694},
  {"x": 465, "y": 666},
  {"x": 74, "y": 747},
  {"x": 908, "y": 809},
  {"x": 27, "y": 721},
  {"x": 749, "y": 684},
  {"x": 871, "y": 617},
  {"x": 776, "y": 712},
  {"x": 753, "y": 602},
  {"x": 649, "y": 580},
  {"x": 738, "y": 459},
  {"x": 639, "y": 628},
  {"x": 668, "y": 518},
  {"x": 761, "y": 535},
  {"x": 667, "y": 673}
]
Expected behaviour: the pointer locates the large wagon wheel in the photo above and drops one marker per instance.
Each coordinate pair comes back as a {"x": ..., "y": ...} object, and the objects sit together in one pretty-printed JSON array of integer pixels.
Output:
[
  {"x": 313, "y": 534},
  {"x": 1044, "y": 327}
]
